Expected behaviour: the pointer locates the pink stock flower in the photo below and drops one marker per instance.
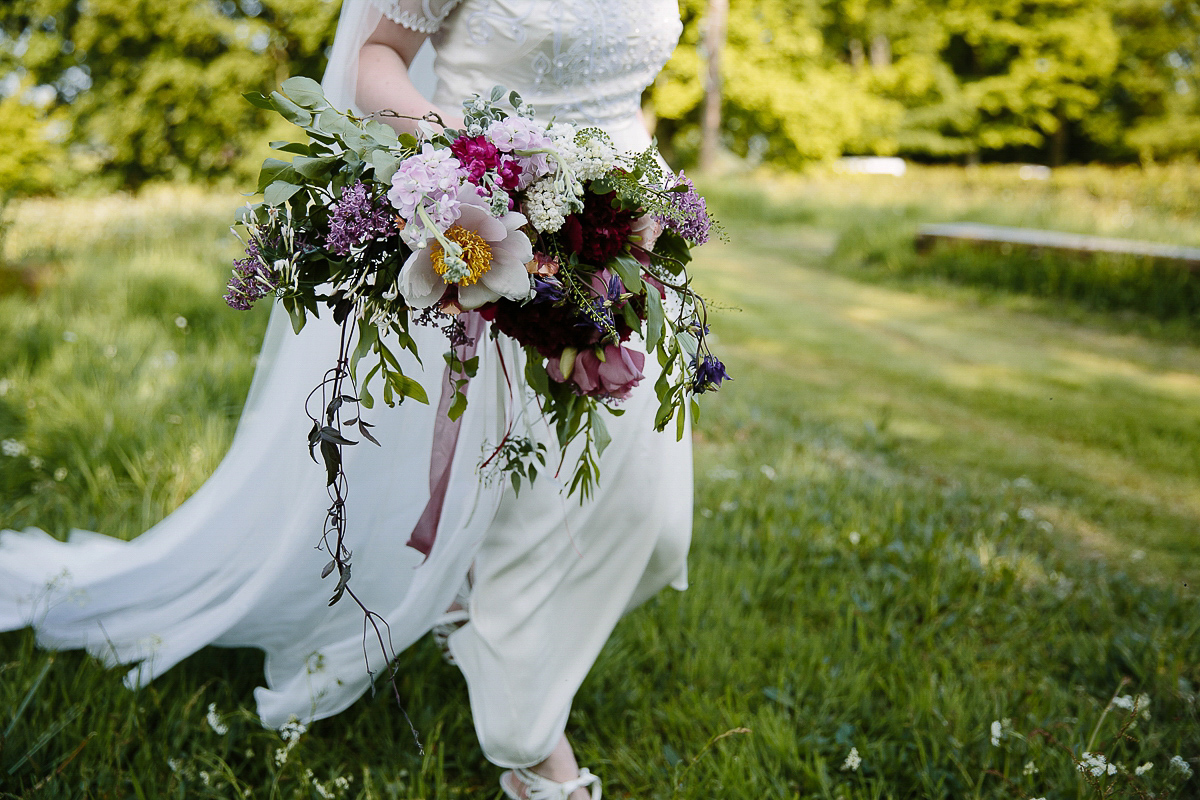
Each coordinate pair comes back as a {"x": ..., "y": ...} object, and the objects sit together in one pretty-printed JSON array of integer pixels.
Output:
[{"x": 613, "y": 378}]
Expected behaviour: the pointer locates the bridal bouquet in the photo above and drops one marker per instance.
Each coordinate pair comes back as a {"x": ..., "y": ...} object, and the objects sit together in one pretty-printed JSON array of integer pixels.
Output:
[{"x": 544, "y": 229}]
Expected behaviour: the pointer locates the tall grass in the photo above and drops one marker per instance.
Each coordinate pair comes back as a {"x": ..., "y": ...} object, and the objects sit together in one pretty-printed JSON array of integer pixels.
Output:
[{"x": 899, "y": 542}]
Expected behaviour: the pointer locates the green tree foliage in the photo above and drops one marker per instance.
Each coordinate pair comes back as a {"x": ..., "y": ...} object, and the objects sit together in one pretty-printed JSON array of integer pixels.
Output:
[
  {"x": 153, "y": 88},
  {"x": 1031, "y": 79},
  {"x": 32, "y": 157}
]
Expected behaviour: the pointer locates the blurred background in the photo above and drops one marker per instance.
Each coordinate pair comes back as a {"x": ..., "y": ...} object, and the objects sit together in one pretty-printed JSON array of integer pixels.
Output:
[{"x": 947, "y": 511}]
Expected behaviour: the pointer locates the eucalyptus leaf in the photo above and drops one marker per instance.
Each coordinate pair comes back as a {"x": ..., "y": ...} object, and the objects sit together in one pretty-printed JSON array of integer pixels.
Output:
[
  {"x": 290, "y": 111},
  {"x": 279, "y": 193},
  {"x": 274, "y": 169},
  {"x": 259, "y": 100},
  {"x": 315, "y": 168},
  {"x": 292, "y": 147},
  {"x": 305, "y": 92},
  {"x": 385, "y": 165}
]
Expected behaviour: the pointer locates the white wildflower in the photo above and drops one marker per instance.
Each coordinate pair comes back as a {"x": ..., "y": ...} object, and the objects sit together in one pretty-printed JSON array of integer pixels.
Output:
[
  {"x": 13, "y": 448},
  {"x": 1136, "y": 705},
  {"x": 60, "y": 474},
  {"x": 999, "y": 728},
  {"x": 1144, "y": 768},
  {"x": 1179, "y": 765},
  {"x": 768, "y": 472},
  {"x": 35, "y": 462},
  {"x": 204, "y": 777},
  {"x": 1027, "y": 514},
  {"x": 291, "y": 732},
  {"x": 172, "y": 765},
  {"x": 181, "y": 322},
  {"x": 1124, "y": 701},
  {"x": 214, "y": 721},
  {"x": 855, "y": 537},
  {"x": 1096, "y": 764},
  {"x": 852, "y": 761},
  {"x": 1030, "y": 768}
]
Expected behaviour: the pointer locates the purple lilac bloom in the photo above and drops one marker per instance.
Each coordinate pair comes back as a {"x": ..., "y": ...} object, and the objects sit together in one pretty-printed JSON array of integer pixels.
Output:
[
  {"x": 709, "y": 372},
  {"x": 356, "y": 219},
  {"x": 689, "y": 213},
  {"x": 252, "y": 280}
]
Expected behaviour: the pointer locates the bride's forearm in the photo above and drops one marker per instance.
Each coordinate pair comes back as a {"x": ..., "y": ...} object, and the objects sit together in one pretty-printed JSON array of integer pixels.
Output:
[{"x": 383, "y": 81}]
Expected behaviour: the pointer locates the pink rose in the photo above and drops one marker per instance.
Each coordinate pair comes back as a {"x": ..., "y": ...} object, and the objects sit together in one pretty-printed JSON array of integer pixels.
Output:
[{"x": 613, "y": 378}]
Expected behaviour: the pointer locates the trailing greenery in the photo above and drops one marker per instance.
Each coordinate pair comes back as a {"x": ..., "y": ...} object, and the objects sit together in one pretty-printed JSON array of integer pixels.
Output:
[{"x": 916, "y": 516}]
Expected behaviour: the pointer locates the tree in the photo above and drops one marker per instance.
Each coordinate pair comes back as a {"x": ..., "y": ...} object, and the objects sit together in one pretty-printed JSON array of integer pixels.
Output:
[
  {"x": 31, "y": 157},
  {"x": 154, "y": 88}
]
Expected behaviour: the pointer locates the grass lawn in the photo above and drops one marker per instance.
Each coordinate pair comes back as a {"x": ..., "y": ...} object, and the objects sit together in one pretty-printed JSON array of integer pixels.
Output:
[{"x": 921, "y": 509}]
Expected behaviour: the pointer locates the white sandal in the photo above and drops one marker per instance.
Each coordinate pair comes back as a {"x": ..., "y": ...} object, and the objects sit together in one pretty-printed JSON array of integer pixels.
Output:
[{"x": 539, "y": 788}]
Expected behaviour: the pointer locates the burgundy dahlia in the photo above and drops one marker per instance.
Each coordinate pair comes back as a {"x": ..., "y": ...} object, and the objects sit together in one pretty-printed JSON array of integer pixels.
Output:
[{"x": 599, "y": 232}]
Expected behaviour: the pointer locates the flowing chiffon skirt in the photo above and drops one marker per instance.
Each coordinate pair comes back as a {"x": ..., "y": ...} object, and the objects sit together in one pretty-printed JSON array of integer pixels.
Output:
[{"x": 237, "y": 564}]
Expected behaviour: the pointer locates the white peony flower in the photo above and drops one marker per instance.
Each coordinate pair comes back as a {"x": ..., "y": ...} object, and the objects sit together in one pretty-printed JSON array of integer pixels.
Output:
[{"x": 484, "y": 256}]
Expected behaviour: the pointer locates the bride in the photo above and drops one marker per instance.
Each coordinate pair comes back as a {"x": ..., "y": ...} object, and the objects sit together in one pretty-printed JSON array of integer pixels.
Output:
[{"x": 236, "y": 564}]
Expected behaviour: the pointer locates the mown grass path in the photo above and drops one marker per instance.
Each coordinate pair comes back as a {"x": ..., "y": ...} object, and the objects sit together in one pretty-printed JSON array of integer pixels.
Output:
[
  {"x": 917, "y": 517},
  {"x": 1105, "y": 427}
]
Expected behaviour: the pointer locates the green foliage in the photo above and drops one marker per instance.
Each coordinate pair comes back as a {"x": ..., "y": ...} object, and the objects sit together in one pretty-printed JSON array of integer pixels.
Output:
[
  {"x": 166, "y": 78},
  {"x": 1049, "y": 80}
]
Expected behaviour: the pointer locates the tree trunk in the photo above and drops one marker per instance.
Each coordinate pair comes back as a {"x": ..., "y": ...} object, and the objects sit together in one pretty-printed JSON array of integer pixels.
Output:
[
  {"x": 1058, "y": 143},
  {"x": 714, "y": 42}
]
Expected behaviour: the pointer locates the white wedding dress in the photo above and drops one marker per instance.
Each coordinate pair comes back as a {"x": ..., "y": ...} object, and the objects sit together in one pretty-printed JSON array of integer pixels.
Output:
[{"x": 236, "y": 565}]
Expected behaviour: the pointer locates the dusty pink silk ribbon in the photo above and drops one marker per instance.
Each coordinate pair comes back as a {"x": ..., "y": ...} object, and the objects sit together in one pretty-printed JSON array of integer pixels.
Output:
[{"x": 445, "y": 441}]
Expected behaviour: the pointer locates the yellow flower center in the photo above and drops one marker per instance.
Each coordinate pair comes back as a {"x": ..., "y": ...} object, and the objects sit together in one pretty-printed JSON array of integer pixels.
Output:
[{"x": 475, "y": 251}]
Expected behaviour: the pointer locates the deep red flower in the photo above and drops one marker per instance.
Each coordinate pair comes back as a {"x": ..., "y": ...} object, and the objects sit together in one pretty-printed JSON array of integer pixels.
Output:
[{"x": 599, "y": 232}]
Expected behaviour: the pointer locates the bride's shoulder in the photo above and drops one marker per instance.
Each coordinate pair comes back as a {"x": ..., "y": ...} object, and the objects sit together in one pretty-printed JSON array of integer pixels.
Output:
[{"x": 425, "y": 16}]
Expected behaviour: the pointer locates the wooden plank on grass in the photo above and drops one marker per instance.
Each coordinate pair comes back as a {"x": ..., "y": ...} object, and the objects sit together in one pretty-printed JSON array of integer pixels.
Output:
[{"x": 980, "y": 233}]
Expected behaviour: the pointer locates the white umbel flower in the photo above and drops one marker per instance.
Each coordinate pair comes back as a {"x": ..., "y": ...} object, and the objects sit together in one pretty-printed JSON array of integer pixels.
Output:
[
  {"x": 1096, "y": 764},
  {"x": 214, "y": 721},
  {"x": 1144, "y": 768},
  {"x": 853, "y": 760},
  {"x": 1179, "y": 765}
]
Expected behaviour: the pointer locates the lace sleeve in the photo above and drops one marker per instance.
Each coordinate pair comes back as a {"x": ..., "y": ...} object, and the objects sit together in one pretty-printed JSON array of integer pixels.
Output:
[{"x": 425, "y": 16}]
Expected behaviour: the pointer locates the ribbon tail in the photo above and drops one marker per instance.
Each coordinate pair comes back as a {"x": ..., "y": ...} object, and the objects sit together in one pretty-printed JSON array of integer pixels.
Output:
[{"x": 445, "y": 442}]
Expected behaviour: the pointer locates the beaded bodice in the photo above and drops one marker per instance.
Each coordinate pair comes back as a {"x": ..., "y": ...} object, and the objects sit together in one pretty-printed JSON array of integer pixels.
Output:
[{"x": 583, "y": 61}]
